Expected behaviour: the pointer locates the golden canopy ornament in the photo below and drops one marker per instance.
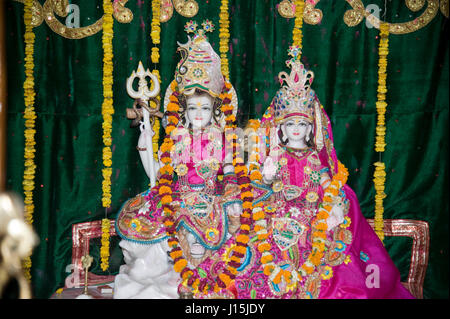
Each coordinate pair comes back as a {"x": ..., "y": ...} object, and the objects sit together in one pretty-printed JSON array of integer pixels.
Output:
[
  {"x": 48, "y": 11},
  {"x": 187, "y": 8},
  {"x": 311, "y": 15},
  {"x": 354, "y": 16},
  {"x": 358, "y": 12}
]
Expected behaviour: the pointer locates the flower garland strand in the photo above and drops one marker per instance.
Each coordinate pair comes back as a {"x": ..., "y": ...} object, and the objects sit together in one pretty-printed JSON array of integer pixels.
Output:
[
  {"x": 107, "y": 112},
  {"x": 224, "y": 35},
  {"x": 155, "y": 35},
  {"x": 297, "y": 35},
  {"x": 380, "y": 139},
  {"x": 319, "y": 236},
  {"x": 30, "y": 117},
  {"x": 189, "y": 276}
]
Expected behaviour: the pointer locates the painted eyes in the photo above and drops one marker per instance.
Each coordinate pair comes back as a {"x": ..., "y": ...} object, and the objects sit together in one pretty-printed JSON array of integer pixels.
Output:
[
  {"x": 193, "y": 108},
  {"x": 291, "y": 124}
]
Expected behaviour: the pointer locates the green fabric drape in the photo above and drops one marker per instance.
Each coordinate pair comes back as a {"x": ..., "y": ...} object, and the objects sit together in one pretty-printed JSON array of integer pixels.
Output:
[{"x": 68, "y": 76}]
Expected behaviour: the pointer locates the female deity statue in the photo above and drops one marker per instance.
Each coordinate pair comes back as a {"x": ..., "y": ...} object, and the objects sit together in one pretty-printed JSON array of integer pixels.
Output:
[
  {"x": 311, "y": 239},
  {"x": 206, "y": 208}
]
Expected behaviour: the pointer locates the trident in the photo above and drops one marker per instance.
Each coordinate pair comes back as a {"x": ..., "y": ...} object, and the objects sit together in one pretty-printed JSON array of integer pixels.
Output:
[{"x": 143, "y": 115}]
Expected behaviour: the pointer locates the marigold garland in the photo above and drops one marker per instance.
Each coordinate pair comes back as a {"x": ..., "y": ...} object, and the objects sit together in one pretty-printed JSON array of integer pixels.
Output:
[
  {"x": 155, "y": 35},
  {"x": 189, "y": 276},
  {"x": 224, "y": 36},
  {"x": 319, "y": 228},
  {"x": 30, "y": 117},
  {"x": 104, "y": 250},
  {"x": 298, "y": 23},
  {"x": 379, "y": 181},
  {"x": 107, "y": 112},
  {"x": 380, "y": 138}
]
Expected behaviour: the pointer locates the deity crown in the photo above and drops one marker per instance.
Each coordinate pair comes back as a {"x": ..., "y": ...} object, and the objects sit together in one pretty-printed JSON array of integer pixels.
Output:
[
  {"x": 199, "y": 67},
  {"x": 295, "y": 98}
]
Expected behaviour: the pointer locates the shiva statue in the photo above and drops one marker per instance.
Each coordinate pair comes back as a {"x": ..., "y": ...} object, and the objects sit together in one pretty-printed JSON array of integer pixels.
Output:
[{"x": 205, "y": 195}]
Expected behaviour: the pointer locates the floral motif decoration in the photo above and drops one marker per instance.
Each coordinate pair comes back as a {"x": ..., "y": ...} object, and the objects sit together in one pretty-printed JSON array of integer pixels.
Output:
[{"x": 292, "y": 277}]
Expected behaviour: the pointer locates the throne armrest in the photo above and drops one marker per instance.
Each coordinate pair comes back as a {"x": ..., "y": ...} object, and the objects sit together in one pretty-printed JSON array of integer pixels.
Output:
[{"x": 419, "y": 231}]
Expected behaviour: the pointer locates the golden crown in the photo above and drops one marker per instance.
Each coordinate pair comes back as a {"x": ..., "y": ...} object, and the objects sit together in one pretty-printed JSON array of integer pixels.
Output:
[{"x": 295, "y": 98}]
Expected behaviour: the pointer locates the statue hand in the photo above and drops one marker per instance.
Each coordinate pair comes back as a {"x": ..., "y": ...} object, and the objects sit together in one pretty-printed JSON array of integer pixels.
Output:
[
  {"x": 234, "y": 209},
  {"x": 336, "y": 217},
  {"x": 269, "y": 170}
]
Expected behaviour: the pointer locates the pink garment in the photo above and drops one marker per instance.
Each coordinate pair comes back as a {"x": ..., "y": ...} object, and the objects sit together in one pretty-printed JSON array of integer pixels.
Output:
[
  {"x": 355, "y": 266},
  {"x": 368, "y": 255}
]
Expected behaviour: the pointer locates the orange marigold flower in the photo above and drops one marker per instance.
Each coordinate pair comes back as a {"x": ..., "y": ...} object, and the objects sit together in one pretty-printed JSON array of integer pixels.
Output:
[
  {"x": 240, "y": 249},
  {"x": 258, "y": 215},
  {"x": 175, "y": 254},
  {"x": 242, "y": 239},
  {"x": 236, "y": 259},
  {"x": 169, "y": 129},
  {"x": 173, "y": 107},
  {"x": 268, "y": 269},
  {"x": 233, "y": 270},
  {"x": 263, "y": 236},
  {"x": 172, "y": 119},
  {"x": 165, "y": 190},
  {"x": 167, "y": 199},
  {"x": 246, "y": 194},
  {"x": 322, "y": 214},
  {"x": 308, "y": 269},
  {"x": 166, "y": 169},
  {"x": 257, "y": 228},
  {"x": 321, "y": 226},
  {"x": 264, "y": 247},
  {"x": 266, "y": 259},
  {"x": 277, "y": 278},
  {"x": 320, "y": 234},
  {"x": 247, "y": 205},
  {"x": 180, "y": 265},
  {"x": 166, "y": 160},
  {"x": 225, "y": 278}
]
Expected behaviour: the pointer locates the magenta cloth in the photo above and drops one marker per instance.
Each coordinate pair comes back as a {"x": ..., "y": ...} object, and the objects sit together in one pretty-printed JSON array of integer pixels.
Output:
[{"x": 349, "y": 281}]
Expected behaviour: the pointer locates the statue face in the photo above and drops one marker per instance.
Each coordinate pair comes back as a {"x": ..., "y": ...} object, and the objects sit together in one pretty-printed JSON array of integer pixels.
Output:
[
  {"x": 199, "y": 110},
  {"x": 296, "y": 130}
]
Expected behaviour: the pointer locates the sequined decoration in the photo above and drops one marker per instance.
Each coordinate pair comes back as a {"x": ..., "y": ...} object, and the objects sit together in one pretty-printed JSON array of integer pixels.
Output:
[
  {"x": 47, "y": 11},
  {"x": 187, "y": 8},
  {"x": 311, "y": 15},
  {"x": 358, "y": 12}
]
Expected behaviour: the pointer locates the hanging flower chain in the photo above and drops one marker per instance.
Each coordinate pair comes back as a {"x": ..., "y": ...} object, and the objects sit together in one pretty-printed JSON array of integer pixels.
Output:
[
  {"x": 107, "y": 112},
  {"x": 319, "y": 236},
  {"x": 380, "y": 141},
  {"x": 30, "y": 117},
  {"x": 155, "y": 35},
  {"x": 224, "y": 35},
  {"x": 190, "y": 277},
  {"x": 298, "y": 23}
]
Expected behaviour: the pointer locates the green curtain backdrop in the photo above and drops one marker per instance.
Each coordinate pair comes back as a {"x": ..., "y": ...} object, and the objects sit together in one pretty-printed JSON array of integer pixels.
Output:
[{"x": 344, "y": 59}]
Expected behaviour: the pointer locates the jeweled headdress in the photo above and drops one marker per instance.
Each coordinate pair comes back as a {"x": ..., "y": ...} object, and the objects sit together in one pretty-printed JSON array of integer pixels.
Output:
[
  {"x": 200, "y": 67},
  {"x": 295, "y": 98}
]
